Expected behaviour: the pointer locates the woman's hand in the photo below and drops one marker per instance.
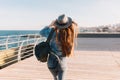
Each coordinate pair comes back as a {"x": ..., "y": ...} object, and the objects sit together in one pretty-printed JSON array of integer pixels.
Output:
[{"x": 52, "y": 24}]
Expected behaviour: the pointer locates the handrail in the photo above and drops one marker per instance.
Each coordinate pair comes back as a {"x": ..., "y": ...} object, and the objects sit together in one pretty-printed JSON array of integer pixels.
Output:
[
  {"x": 5, "y": 41},
  {"x": 17, "y": 35},
  {"x": 23, "y": 48}
]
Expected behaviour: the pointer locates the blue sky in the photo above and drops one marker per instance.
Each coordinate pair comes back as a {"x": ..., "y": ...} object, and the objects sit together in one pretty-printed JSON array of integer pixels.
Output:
[{"x": 35, "y": 14}]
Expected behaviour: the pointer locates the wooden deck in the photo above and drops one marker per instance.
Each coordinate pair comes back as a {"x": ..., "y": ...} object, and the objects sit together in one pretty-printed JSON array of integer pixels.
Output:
[{"x": 85, "y": 65}]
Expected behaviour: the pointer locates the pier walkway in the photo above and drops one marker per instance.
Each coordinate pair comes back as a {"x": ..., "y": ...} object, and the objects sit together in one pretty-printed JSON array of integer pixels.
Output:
[{"x": 84, "y": 65}]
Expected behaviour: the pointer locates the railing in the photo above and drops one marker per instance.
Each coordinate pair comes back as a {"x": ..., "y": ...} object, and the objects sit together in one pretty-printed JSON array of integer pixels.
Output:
[
  {"x": 17, "y": 47},
  {"x": 7, "y": 42}
]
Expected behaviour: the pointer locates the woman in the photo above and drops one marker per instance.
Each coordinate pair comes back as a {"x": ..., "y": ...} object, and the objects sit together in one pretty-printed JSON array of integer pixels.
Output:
[{"x": 62, "y": 45}]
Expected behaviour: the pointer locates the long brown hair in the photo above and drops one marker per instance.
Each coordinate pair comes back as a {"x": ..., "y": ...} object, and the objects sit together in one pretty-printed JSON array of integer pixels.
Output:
[{"x": 66, "y": 38}]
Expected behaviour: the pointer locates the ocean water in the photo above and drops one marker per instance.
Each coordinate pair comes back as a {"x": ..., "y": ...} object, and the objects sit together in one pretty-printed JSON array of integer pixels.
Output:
[
  {"x": 14, "y": 39},
  {"x": 17, "y": 32}
]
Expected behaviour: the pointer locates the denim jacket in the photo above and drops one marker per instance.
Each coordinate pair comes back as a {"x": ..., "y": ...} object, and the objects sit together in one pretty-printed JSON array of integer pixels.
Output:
[{"x": 55, "y": 46}]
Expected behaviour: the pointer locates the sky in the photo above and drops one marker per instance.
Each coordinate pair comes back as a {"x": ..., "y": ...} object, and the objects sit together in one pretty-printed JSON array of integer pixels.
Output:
[{"x": 36, "y": 14}]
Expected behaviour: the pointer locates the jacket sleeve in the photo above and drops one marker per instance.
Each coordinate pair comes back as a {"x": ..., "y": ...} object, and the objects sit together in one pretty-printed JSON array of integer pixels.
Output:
[{"x": 45, "y": 31}]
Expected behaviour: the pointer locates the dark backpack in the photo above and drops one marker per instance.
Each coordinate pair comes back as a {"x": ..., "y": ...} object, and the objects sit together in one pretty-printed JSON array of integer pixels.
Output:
[{"x": 43, "y": 49}]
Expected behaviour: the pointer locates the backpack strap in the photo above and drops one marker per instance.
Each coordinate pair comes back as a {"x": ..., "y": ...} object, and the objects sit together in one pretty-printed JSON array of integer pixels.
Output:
[
  {"x": 48, "y": 40},
  {"x": 52, "y": 52},
  {"x": 50, "y": 35}
]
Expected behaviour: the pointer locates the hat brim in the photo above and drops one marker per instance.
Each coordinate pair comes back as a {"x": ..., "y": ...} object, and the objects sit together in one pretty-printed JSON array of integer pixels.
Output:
[{"x": 62, "y": 26}]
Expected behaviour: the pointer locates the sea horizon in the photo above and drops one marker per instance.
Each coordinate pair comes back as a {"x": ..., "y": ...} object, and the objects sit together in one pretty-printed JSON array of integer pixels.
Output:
[{"x": 17, "y": 32}]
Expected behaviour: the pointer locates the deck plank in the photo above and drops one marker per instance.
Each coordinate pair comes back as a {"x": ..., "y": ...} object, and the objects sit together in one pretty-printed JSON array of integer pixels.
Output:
[{"x": 84, "y": 65}]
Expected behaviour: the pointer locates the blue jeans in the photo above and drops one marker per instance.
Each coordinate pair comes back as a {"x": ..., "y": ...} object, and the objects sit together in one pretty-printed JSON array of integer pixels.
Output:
[{"x": 57, "y": 68}]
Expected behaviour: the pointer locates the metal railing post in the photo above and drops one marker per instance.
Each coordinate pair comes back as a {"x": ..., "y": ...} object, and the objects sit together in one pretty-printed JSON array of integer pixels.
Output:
[
  {"x": 19, "y": 37},
  {"x": 35, "y": 37},
  {"x": 19, "y": 51},
  {"x": 35, "y": 45},
  {"x": 27, "y": 38},
  {"x": 6, "y": 45}
]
